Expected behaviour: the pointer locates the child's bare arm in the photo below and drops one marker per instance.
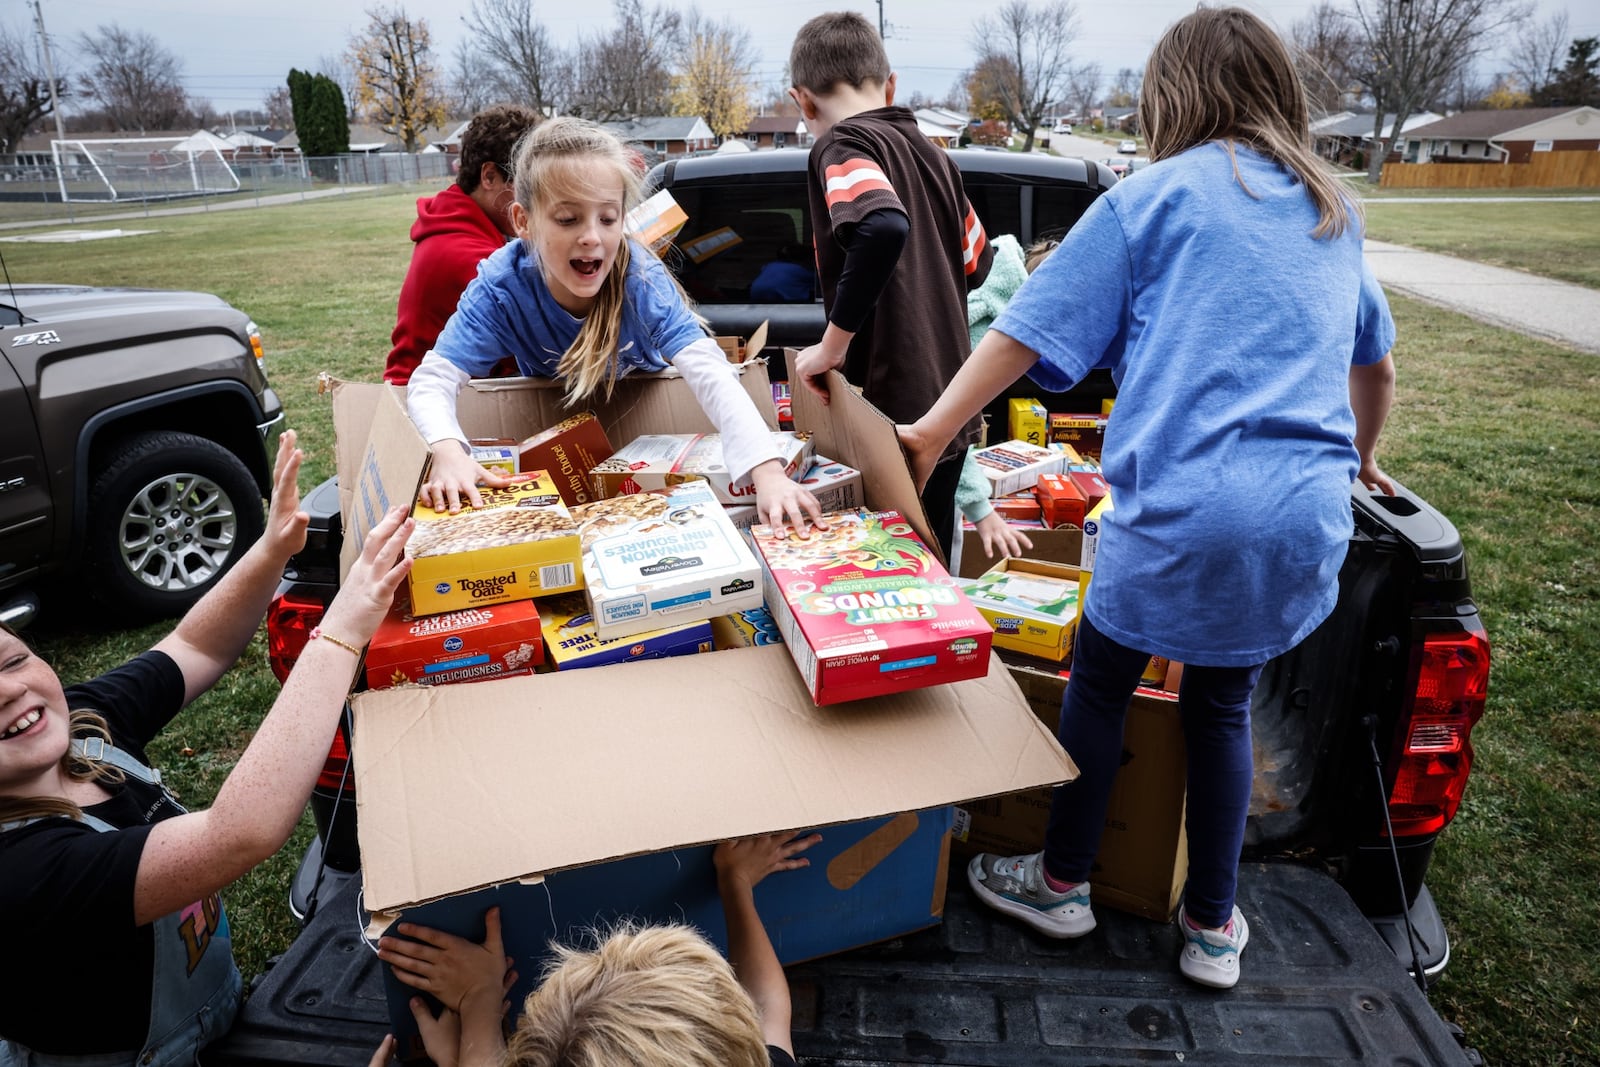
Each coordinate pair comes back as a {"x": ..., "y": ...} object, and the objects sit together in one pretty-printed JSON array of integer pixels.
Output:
[
  {"x": 1371, "y": 394},
  {"x": 469, "y": 979},
  {"x": 997, "y": 362},
  {"x": 740, "y": 866}
]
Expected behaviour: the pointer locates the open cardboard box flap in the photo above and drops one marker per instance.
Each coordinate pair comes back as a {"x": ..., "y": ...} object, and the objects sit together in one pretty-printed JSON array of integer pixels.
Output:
[{"x": 462, "y": 787}]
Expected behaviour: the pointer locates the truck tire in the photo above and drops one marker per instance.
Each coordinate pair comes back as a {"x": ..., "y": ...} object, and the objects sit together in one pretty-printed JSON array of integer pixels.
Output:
[{"x": 168, "y": 517}]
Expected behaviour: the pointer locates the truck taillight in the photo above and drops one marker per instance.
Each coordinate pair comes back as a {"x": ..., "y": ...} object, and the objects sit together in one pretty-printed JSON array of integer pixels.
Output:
[
  {"x": 290, "y": 620},
  {"x": 1435, "y": 747},
  {"x": 336, "y": 771}
]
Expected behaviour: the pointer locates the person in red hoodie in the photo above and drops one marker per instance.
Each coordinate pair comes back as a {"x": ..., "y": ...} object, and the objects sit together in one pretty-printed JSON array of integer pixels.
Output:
[{"x": 454, "y": 231}]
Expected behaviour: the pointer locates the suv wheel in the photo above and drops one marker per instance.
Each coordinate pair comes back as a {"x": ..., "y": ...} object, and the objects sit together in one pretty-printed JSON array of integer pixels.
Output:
[{"x": 168, "y": 517}]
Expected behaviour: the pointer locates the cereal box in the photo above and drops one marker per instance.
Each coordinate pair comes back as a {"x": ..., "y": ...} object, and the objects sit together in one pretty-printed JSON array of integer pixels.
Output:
[
  {"x": 1032, "y": 606},
  {"x": 1018, "y": 507},
  {"x": 836, "y": 486},
  {"x": 657, "y": 461},
  {"x": 656, "y": 558},
  {"x": 568, "y": 451},
  {"x": 1090, "y": 484},
  {"x": 1026, "y": 421},
  {"x": 1085, "y": 432},
  {"x": 1016, "y": 465},
  {"x": 572, "y": 642},
  {"x": 785, "y": 405},
  {"x": 522, "y": 543},
  {"x": 745, "y": 629},
  {"x": 469, "y": 645},
  {"x": 1091, "y": 544},
  {"x": 656, "y": 221},
  {"x": 1060, "y": 501},
  {"x": 865, "y": 608},
  {"x": 495, "y": 454}
]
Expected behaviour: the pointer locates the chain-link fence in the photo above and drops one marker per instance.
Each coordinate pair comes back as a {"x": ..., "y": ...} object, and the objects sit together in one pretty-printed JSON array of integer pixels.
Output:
[{"x": 32, "y": 193}]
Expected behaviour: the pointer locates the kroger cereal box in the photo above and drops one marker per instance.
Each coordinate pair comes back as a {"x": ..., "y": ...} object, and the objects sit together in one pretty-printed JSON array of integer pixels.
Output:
[
  {"x": 836, "y": 486},
  {"x": 745, "y": 629},
  {"x": 865, "y": 608},
  {"x": 522, "y": 543},
  {"x": 1014, "y": 466},
  {"x": 656, "y": 558},
  {"x": 469, "y": 645},
  {"x": 1032, "y": 606},
  {"x": 567, "y": 451},
  {"x": 572, "y": 643},
  {"x": 657, "y": 461}
]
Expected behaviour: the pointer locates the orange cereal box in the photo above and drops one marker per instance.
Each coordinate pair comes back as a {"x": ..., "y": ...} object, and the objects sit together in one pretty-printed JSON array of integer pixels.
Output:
[{"x": 865, "y": 609}]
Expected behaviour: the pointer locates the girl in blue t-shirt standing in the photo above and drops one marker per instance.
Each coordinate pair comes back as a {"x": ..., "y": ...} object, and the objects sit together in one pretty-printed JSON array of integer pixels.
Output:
[
  {"x": 1224, "y": 288},
  {"x": 575, "y": 299}
]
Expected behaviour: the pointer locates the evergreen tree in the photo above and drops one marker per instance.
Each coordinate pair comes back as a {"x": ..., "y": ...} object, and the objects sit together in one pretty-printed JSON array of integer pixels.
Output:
[
  {"x": 1579, "y": 81},
  {"x": 299, "y": 96}
]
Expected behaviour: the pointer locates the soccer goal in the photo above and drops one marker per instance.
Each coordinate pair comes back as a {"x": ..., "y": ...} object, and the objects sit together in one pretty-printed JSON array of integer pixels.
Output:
[{"x": 142, "y": 168}]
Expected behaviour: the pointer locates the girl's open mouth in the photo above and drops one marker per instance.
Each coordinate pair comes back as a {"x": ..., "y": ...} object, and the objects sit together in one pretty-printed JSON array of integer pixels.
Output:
[
  {"x": 21, "y": 724},
  {"x": 586, "y": 267}
]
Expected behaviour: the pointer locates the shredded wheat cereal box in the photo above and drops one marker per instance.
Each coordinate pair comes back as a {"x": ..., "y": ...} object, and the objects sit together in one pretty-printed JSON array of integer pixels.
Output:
[
  {"x": 470, "y": 645},
  {"x": 658, "y": 461},
  {"x": 865, "y": 608},
  {"x": 522, "y": 543},
  {"x": 572, "y": 643},
  {"x": 663, "y": 557}
]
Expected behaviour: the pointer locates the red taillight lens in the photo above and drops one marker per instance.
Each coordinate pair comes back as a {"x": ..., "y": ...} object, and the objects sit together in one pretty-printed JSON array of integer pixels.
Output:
[
  {"x": 336, "y": 772},
  {"x": 290, "y": 621},
  {"x": 1436, "y": 746}
]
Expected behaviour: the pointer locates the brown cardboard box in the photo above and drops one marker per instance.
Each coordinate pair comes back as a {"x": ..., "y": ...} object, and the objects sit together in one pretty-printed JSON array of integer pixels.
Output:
[
  {"x": 1144, "y": 855},
  {"x": 1049, "y": 546},
  {"x": 737, "y": 349}
]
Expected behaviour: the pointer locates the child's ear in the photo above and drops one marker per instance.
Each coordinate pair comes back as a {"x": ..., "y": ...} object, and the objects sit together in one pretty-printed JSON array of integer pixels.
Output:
[
  {"x": 888, "y": 90},
  {"x": 520, "y": 220},
  {"x": 805, "y": 101}
]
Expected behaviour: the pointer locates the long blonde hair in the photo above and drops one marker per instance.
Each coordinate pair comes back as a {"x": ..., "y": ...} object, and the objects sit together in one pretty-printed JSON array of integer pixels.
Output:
[
  {"x": 1222, "y": 74},
  {"x": 646, "y": 995}
]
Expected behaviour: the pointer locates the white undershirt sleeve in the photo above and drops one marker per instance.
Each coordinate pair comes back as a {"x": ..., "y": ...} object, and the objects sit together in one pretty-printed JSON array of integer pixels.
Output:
[
  {"x": 431, "y": 399},
  {"x": 746, "y": 438}
]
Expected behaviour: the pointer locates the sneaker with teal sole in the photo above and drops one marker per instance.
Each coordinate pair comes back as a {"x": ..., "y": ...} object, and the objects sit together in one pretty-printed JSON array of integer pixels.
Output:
[
  {"x": 1211, "y": 957},
  {"x": 1015, "y": 885}
]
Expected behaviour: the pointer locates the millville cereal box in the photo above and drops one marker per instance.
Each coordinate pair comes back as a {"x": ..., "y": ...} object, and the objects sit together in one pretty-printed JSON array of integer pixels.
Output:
[
  {"x": 567, "y": 451},
  {"x": 652, "y": 559},
  {"x": 522, "y": 543},
  {"x": 1086, "y": 432},
  {"x": 657, "y": 461},
  {"x": 1016, "y": 465},
  {"x": 469, "y": 645},
  {"x": 866, "y": 609},
  {"x": 836, "y": 486},
  {"x": 571, "y": 642}
]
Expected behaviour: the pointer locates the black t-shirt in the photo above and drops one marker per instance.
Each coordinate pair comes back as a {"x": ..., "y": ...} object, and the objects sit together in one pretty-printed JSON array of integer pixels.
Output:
[
  {"x": 68, "y": 889},
  {"x": 779, "y": 1057}
]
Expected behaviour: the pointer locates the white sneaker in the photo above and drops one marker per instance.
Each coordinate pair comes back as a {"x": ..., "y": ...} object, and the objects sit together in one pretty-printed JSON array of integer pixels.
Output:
[
  {"x": 1211, "y": 957},
  {"x": 1015, "y": 885}
]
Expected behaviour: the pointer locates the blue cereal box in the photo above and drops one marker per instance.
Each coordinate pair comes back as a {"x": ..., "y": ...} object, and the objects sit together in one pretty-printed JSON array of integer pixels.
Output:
[{"x": 571, "y": 641}]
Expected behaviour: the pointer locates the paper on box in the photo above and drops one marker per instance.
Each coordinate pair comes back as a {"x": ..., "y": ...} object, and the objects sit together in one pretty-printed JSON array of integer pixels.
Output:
[
  {"x": 572, "y": 642},
  {"x": 659, "y": 461},
  {"x": 1033, "y": 606}
]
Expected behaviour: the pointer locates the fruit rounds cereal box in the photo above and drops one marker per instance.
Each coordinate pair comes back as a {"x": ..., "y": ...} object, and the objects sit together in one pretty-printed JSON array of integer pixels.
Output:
[{"x": 865, "y": 609}]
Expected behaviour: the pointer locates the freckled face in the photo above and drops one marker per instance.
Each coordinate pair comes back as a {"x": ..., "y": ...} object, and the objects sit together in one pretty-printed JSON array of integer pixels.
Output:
[
  {"x": 576, "y": 234},
  {"x": 33, "y": 721}
]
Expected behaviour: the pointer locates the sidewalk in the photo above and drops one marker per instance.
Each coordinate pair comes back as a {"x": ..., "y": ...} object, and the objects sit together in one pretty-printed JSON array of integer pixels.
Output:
[{"x": 1554, "y": 311}]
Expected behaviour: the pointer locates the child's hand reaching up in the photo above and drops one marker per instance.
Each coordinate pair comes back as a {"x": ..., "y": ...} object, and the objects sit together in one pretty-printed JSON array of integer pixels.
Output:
[
  {"x": 453, "y": 479},
  {"x": 743, "y": 863},
  {"x": 469, "y": 979},
  {"x": 997, "y": 536}
]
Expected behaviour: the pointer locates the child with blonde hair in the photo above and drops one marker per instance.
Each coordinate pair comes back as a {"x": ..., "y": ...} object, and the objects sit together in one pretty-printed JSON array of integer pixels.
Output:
[{"x": 576, "y": 299}]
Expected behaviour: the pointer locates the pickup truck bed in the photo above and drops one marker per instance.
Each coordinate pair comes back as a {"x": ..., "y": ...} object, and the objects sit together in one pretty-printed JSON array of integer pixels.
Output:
[{"x": 1320, "y": 987}]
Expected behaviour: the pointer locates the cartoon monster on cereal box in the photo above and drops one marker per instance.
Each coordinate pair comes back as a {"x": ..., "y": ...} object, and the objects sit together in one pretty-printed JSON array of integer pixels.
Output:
[{"x": 865, "y": 608}]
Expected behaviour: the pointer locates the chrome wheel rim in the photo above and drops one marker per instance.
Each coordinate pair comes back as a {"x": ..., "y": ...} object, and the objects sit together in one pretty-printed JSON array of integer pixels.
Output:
[{"x": 177, "y": 533}]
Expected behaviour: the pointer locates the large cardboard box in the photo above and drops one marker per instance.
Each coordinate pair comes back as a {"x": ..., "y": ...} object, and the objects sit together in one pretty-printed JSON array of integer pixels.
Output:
[
  {"x": 1144, "y": 854},
  {"x": 464, "y": 788}
]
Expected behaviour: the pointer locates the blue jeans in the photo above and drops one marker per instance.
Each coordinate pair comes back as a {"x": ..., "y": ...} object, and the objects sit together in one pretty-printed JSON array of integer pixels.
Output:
[{"x": 1214, "y": 705}]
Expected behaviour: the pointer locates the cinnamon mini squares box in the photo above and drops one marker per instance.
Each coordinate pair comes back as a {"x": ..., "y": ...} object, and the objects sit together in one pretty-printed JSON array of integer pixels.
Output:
[
  {"x": 663, "y": 460},
  {"x": 469, "y": 645},
  {"x": 865, "y": 609}
]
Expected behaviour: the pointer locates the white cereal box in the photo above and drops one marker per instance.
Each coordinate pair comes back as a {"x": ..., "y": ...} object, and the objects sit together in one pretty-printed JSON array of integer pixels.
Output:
[
  {"x": 657, "y": 461},
  {"x": 661, "y": 558},
  {"x": 836, "y": 486},
  {"x": 1013, "y": 466}
]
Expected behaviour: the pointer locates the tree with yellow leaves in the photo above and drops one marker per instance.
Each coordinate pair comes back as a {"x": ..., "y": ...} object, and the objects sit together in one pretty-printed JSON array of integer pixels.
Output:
[
  {"x": 714, "y": 78},
  {"x": 396, "y": 81}
]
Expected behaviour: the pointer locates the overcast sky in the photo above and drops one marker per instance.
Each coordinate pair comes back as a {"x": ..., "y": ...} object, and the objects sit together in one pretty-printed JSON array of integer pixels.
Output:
[{"x": 234, "y": 52}]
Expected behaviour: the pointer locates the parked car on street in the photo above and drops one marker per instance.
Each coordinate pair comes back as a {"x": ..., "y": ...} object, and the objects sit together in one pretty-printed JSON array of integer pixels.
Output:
[{"x": 1128, "y": 148}]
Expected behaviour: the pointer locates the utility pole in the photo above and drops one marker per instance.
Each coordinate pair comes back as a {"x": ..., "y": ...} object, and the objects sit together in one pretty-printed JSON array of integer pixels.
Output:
[
  {"x": 50, "y": 70},
  {"x": 881, "y": 34}
]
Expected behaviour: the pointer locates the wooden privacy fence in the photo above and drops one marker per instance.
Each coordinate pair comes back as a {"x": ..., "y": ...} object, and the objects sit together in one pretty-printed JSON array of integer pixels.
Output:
[{"x": 1547, "y": 170}]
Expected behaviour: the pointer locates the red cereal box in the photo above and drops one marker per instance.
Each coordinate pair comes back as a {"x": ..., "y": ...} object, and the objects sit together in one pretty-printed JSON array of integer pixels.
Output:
[
  {"x": 1018, "y": 507},
  {"x": 1060, "y": 500},
  {"x": 865, "y": 609},
  {"x": 470, "y": 645},
  {"x": 1092, "y": 486}
]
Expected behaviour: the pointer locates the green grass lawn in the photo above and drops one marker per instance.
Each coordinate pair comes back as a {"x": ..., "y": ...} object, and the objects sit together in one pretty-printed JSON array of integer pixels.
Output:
[
  {"x": 1554, "y": 238},
  {"x": 1498, "y": 431}
]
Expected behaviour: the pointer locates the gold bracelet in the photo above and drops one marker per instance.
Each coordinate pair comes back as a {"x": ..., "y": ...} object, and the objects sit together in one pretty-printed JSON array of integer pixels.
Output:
[{"x": 346, "y": 645}]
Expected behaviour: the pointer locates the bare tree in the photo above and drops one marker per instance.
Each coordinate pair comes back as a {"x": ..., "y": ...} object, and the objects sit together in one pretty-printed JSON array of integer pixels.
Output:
[
  {"x": 1083, "y": 85},
  {"x": 1410, "y": 49},
  {"x": 24, "y": 89},
  {"x": 134, "y": 78},
  {"x": 527, "y": 64},
  {"x": 1323, "y": 44},
  {"x": 278, "y": 109},
  {"x": 1033, "y": 39},
  {"x": 395, "y": 75},
  {"x": 627, "y": 69},
  {"x": 342, "y": 72},
  {"x": 714, "y": 79},
  {"x": 1537, "y": 51},
  {"x": 1124, "y": 91},
  {"x": 473, "y": 83}
]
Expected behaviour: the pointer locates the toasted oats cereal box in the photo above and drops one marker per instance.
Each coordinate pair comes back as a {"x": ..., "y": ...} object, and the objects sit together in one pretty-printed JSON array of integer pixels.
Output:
[
  {"x": 671, "y": 556},
  {"x": 572, "y": 642},
  {"x": 836, "y": 486},
  {"x": 866, "y": 609},
  {"x": 1016, "y": 465},
  {"x": 657, "y": 461},
  {"x": 522, "y": 543},
  {"x": 469, "y": 645},
  {"x": 745, "y": 629},
  {"x": 567, "y": 451}
]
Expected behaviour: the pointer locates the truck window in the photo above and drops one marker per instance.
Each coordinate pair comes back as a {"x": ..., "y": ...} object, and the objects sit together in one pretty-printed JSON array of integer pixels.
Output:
[{"x": 735, "y": 232}]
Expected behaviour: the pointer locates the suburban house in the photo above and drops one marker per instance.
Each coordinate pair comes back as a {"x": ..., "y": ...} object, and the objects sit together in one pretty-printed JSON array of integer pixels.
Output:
[
  {"x": 1479, "y": 136},
  {"x": 1573, "y": 130},
  {"x": 1340, "y": 139},
  {"x": 1122, "y": 118},
  {"x": 667, "y": 135},
  {"x": 776, "y": 131}
]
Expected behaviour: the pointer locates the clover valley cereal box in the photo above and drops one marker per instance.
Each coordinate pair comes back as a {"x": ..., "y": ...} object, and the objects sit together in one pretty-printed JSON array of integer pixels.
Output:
[
  {"x": 469, "y": 645},
  {"x": 1016, "y": 465},
  {"x": 522, "y": 543},
  {"x": 650, "y": 559},
  {"x": 567, "y": 451},
  {"x": 572, "y": 643},
  {"x": 866, "y": 609},
  {"x": 656, "y": 461}
]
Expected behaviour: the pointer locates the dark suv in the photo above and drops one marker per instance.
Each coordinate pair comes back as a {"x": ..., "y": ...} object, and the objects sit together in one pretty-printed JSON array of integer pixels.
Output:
[{"x": 134, "y": 430}]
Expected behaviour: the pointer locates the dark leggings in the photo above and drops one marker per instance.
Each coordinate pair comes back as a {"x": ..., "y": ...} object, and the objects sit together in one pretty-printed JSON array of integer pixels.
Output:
[{"x": 1214, "y": 704}]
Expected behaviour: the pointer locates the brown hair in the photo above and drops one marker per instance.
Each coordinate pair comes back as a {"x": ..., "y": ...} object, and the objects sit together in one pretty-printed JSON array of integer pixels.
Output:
[
  {"x": 1038, "y": 252},
  {"x": 491, "y": 137},
  {"x": 650, "y": 995},
  {"x": 840, "y": 46},
  {"x": 1222, "y": 74}
]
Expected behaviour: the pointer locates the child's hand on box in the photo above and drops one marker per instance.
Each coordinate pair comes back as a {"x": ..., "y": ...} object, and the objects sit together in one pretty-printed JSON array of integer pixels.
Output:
[
  {"x": 998, "y": 536},
  {"x": 466, "y": 977},
  {"x": 781, "y": 502},
  {"x": 742, "y": 864},
  {"x": 454, "y": 476}
]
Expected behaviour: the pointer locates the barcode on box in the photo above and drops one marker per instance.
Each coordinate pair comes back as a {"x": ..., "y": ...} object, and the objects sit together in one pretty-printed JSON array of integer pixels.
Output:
[{"x": 556, "y": 576}]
